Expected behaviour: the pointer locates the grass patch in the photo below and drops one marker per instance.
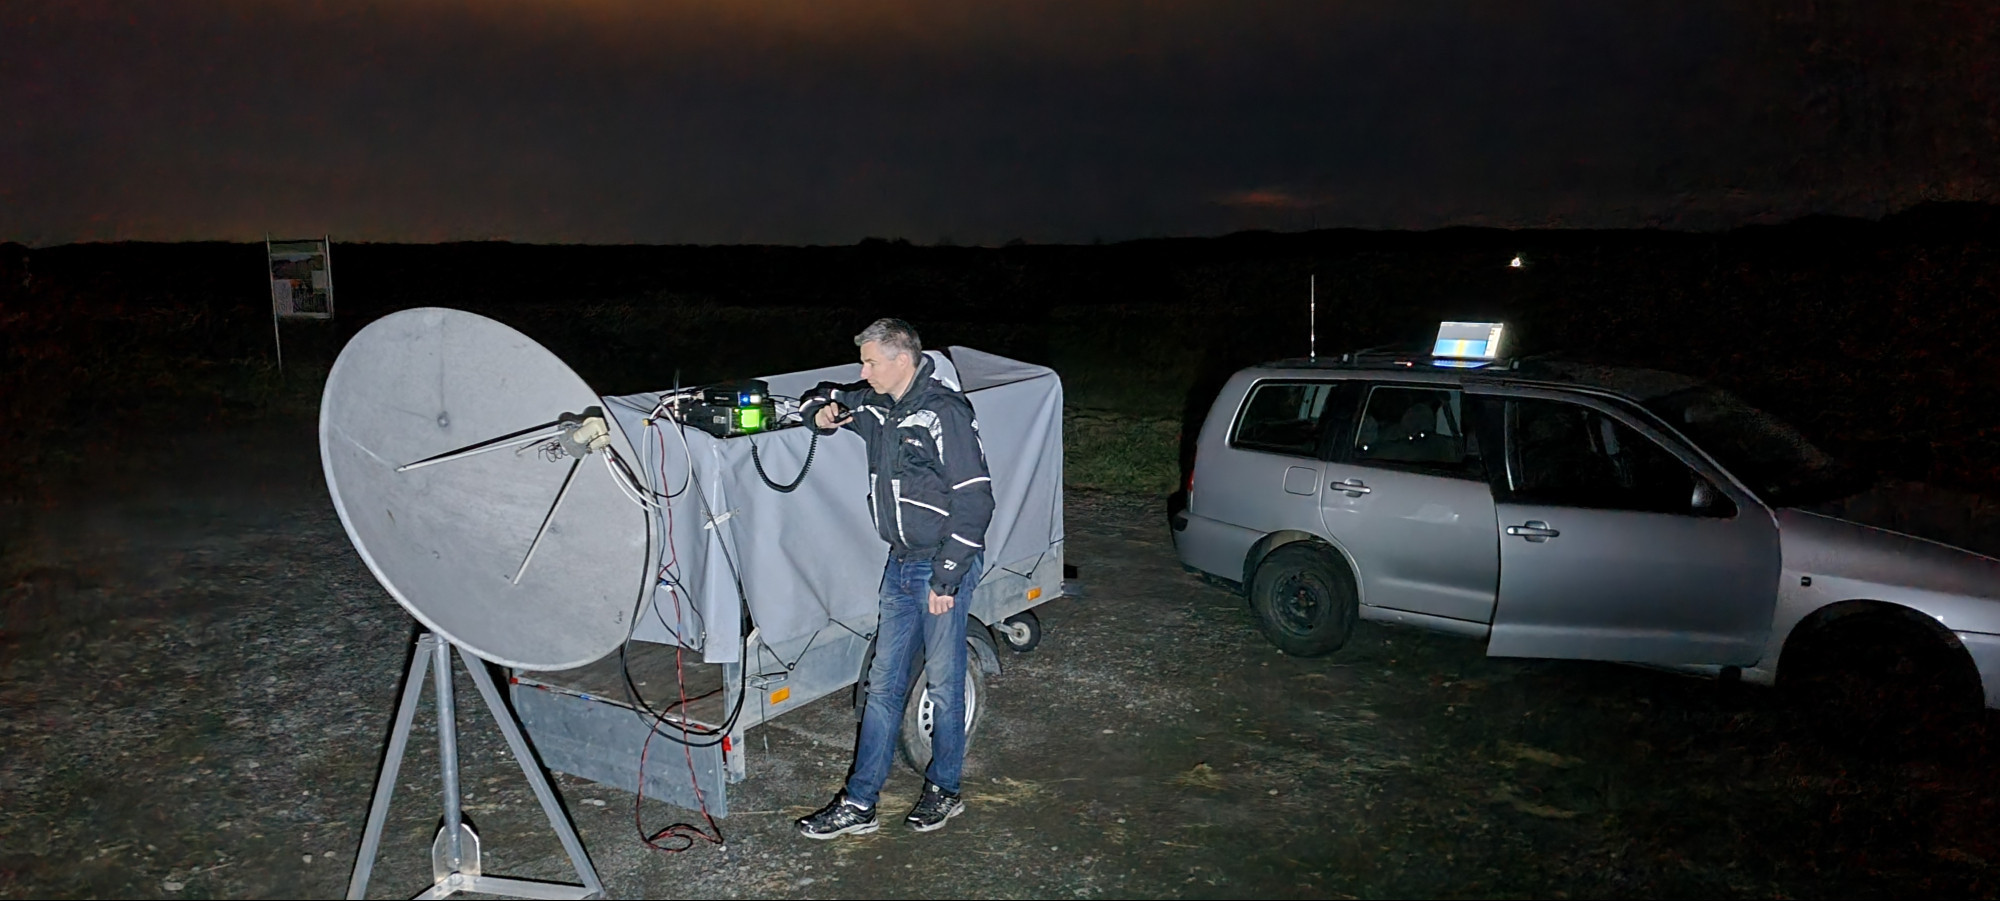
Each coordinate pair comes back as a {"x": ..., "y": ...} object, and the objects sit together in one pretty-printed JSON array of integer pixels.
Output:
[
  {"x": 1004, "y": 790},
  {"x": 1120, "y": 453},
  {"x": 1201, "y": 776}
]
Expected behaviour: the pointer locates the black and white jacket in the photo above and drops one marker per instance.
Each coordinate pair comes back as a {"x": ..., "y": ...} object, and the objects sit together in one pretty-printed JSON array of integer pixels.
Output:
[{"x": 928, "y": 487}]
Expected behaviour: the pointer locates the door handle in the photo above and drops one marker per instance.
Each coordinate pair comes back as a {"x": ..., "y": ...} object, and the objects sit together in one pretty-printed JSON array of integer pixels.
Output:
[
  {"x": 1353, "y": 487},
  {"x": 1533, "y": 530}
]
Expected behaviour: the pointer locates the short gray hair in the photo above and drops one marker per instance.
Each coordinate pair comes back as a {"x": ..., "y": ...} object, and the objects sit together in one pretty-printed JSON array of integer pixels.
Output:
[{"x": 894, "y": 335}]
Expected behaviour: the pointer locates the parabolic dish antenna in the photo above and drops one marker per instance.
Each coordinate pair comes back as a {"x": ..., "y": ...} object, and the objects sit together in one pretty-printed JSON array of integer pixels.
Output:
[{"x": 500, "y": 540}]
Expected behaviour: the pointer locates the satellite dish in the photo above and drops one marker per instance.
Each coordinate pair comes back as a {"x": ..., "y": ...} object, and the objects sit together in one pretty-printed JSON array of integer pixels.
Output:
[{"x": 442, "y": 434}]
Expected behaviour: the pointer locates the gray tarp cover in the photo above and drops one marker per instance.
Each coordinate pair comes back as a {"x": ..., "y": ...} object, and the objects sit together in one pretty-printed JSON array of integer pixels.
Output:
[{"x": 810, "y": 559}]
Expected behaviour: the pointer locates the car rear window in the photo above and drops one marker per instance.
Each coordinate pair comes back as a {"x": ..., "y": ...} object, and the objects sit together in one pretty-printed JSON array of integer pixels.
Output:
[{"x": 1283, "y": 417}]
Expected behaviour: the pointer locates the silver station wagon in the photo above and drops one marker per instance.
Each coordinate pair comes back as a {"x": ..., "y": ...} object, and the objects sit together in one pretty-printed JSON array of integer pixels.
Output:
[{"x": 1568, "y": 510}]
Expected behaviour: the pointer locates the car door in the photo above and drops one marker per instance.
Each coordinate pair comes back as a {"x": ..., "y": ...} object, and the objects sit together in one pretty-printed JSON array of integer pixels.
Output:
[
  {"x": 1408, "y": 499},
  {"x": 1618, "y": 543},
  {"x": 1269, "y": 477}
]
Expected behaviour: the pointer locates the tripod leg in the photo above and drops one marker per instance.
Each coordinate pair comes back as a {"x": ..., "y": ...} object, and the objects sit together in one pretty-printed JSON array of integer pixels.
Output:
[
  {"x": 532, "y": 768},
  {"x": 392, "y": 765},
  {"x": 453, "y": 858}
]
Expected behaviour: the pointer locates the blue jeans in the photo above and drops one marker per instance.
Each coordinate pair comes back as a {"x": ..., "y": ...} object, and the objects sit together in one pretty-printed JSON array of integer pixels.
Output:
[{"x": 906, "y": 619}]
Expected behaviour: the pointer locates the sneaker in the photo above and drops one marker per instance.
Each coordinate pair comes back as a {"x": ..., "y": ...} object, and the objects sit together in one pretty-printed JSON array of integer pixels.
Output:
[
  {"x": 842, "y": 817},
  {"x": 933, "y": 808}
]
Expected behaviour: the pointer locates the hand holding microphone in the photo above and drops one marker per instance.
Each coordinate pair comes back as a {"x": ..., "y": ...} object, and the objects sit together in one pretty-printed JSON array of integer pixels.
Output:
[{"x": 832, "y": 415}]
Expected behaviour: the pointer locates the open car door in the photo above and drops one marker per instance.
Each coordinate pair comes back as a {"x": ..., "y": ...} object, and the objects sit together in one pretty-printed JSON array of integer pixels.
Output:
[{"x": 1618, "y": 543}]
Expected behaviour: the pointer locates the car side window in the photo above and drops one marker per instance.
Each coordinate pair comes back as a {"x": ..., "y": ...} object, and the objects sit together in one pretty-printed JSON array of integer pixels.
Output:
[
  {"x": 1283, "y": 418},
  {"x": 1571, "y": 455},
  {"x": 1422, "y": 427}
]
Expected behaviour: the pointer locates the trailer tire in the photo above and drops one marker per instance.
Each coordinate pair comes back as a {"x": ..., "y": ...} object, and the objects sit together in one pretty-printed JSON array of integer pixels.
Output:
[{"x": 915, "y": 735}]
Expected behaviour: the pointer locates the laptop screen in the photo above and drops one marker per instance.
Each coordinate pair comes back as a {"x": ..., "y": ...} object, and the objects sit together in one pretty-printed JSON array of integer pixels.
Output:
[{"x": 1468, "y": 340}]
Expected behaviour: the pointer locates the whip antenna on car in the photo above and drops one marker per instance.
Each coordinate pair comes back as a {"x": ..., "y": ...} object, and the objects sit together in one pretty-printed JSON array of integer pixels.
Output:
[{"x": 1312, "y": 317}]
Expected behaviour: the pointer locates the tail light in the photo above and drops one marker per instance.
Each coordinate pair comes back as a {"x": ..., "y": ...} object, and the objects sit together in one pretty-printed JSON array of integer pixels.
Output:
[{"x": 1187, "y": 481}]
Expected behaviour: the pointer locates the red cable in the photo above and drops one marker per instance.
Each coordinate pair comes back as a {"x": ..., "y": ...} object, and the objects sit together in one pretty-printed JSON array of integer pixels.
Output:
[{"x": 686, "y": 832}]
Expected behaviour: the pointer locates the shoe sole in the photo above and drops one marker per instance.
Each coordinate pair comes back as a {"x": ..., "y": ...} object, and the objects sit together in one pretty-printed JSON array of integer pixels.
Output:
[
  {"x": 856, "y": 829},
  {"x": 955, "y": 811}
]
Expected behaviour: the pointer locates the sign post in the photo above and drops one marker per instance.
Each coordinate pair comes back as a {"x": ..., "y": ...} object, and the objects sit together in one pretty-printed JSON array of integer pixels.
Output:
[{"x": 301, "y": 283}]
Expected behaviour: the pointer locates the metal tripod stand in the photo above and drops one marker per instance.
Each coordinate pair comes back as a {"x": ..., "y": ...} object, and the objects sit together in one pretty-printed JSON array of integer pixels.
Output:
[{"x": 455, "y": 853}]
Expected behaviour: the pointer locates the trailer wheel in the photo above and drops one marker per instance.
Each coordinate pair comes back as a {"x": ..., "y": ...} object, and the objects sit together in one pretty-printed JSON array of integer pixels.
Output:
[
  {"x": 1022, "y": 631},
  {"x": 918, "y": 714}
]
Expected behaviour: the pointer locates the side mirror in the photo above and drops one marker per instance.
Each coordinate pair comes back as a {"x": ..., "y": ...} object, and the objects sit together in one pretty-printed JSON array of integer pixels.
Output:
[{"x": 1706, "y": 500}]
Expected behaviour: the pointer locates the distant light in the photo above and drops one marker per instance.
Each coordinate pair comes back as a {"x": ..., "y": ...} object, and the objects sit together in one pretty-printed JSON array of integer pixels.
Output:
[{"x": 1516, "y": 262}]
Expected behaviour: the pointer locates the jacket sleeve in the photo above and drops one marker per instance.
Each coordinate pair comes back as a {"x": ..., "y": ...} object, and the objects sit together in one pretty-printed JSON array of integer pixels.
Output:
[
  {"x": 849, "y": 399},
  {"x": 969, "y": 496}
]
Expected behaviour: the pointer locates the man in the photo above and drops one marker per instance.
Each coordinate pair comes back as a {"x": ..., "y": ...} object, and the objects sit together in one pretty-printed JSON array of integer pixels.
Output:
[{"x": 931, "y": 498}]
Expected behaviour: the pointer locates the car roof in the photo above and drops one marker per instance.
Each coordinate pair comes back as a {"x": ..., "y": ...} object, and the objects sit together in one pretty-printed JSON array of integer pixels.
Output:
[{"x": 1635, "y": 383}]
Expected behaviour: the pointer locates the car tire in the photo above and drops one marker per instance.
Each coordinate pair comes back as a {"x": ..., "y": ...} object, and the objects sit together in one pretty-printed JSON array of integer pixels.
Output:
[
  {"x": 1304, "y": 598},
  {"x": 1882, "y": 684},
  {"x": 914, "y": 739}
]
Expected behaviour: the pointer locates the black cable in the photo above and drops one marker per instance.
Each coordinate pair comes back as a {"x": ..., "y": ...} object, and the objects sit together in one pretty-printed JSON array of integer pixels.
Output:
[
  {"x": 656, "y": 719},
  {"x": 686, "y": 832},
  {"x": 672, "y": 583},
  {"x": 638, "y": 484},
  {"x": 632, "y": 694},
  {"x": 759, "y": 463},
  {"x": 671, "y": 580}
]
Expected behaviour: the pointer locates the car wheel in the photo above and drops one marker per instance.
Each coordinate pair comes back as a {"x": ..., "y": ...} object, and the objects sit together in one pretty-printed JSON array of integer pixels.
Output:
[
  {"x": 1304, "y": 599},
  {"x": 919, "y": 715},
  {"x": 1880, "y": 683}
]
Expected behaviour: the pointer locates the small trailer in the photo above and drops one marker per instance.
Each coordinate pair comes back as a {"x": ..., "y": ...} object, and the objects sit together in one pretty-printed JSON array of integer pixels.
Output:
[{"x": 765, "y": 596}]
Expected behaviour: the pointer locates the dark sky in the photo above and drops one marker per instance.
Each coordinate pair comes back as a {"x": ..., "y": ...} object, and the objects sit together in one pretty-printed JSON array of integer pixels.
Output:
[{"x": 826, "y": 121}]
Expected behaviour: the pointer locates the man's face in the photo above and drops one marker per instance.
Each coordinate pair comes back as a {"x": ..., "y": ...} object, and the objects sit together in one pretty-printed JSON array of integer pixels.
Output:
[{"x": 886, "y": 371}]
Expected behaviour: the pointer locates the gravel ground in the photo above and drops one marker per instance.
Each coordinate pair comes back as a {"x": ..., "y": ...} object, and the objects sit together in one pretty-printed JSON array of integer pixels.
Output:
[{"x": 199, "y": 676}]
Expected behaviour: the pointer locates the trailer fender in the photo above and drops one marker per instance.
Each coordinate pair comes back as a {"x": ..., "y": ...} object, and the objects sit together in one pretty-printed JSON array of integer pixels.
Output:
[{"x": 981, "y": 640}]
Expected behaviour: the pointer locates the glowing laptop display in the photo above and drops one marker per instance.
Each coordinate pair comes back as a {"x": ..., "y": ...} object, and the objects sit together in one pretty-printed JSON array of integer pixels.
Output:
[{"x": 1467, "y": 344}]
